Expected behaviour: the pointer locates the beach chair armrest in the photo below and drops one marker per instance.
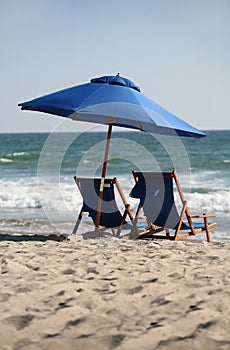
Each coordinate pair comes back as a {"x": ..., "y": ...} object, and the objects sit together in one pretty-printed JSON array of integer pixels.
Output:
[{"x": 203, "y": 216}]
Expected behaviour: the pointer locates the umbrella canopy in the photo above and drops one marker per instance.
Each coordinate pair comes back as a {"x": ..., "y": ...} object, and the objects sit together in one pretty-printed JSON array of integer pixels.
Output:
[{"x": 113, "y": 101}]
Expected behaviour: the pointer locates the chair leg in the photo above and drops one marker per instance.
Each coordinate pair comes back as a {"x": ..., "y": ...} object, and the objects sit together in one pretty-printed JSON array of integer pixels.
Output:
[
  {"x": 167, "y": 232},
  {"x": 113, "y": 232},
  {"x": 78, "y": 222},
  {"x": 119, "y": 229},
  {"x": 207, "y": 230},
  {"x": 134, "y": 233}
]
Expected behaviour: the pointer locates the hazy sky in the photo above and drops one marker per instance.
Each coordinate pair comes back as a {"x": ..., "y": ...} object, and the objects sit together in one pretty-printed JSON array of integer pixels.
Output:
[{"x": 177, "y": 51}]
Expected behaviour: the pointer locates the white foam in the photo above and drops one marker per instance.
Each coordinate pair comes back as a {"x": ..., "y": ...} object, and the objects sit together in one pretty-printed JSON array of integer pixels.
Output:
[
  {"x": 19, "y": 193},
  {"x": 213, "y": 202},
  {"x": 28, "y": 192},
  {"x": 6, "y": 160},
  {"x": 16, "y": 154}
]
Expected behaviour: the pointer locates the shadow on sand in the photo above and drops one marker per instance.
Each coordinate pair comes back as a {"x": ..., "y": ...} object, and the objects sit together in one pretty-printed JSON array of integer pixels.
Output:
[{"x": 30, "y": 237}]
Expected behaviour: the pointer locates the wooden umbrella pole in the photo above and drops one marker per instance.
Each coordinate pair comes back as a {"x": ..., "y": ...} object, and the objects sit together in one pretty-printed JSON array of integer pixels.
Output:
[{"x": 103, "y": 174}]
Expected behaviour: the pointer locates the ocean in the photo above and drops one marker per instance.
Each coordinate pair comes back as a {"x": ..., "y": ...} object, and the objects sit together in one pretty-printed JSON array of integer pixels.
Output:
[{"x": 38, "y": 193}]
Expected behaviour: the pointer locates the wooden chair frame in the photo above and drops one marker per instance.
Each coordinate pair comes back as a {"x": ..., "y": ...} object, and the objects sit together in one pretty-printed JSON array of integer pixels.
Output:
[{"x": 153, "y": 230}]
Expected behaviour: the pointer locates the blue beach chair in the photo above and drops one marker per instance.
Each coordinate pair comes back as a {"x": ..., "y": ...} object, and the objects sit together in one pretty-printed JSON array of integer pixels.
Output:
[
  {"x": 156, "y": 198},
  {"x": 111, "y": 216}
]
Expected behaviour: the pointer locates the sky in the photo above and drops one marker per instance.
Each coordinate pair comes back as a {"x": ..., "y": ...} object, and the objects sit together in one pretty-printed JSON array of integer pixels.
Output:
[{"x": 177, "y": 51}]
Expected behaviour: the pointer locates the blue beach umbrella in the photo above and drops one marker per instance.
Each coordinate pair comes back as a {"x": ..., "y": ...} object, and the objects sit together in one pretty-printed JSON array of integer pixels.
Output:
[{"x": 113, "y": 101}]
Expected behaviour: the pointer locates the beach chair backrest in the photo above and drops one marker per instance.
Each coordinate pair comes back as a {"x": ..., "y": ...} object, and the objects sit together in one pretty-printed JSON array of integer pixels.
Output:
[
  {"x": 155, "y": 191},
  {"x": 110, "y": 213}
]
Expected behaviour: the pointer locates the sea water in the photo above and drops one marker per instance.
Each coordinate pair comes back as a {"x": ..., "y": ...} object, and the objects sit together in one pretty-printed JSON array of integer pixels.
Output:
[{"x": 38, "y": 193}]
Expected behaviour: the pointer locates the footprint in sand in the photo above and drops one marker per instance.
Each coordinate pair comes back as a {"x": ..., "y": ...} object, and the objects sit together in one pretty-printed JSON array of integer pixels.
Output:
[
  {"x": 4, "y": 266},
  {"x": 20, "y": 321}
]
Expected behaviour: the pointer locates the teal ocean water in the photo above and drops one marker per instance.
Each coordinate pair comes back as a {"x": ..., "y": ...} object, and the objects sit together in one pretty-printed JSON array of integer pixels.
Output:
[{"x": 38, "y": 193}]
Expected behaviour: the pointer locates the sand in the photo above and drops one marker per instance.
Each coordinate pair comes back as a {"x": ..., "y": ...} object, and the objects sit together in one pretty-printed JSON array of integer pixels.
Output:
[{"x": 106, "y": 293}]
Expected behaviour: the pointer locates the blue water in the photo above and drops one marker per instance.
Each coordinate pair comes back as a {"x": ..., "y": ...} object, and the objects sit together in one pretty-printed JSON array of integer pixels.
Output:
[{"x": 38, "y": 193}]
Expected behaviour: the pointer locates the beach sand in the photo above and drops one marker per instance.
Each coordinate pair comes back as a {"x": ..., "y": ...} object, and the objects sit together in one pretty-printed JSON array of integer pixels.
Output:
[{"x": 107, "y": 293}]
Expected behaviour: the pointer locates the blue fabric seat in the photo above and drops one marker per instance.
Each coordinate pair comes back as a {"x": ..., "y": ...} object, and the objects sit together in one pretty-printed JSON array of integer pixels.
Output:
[{"x": 156, "y": 197}]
